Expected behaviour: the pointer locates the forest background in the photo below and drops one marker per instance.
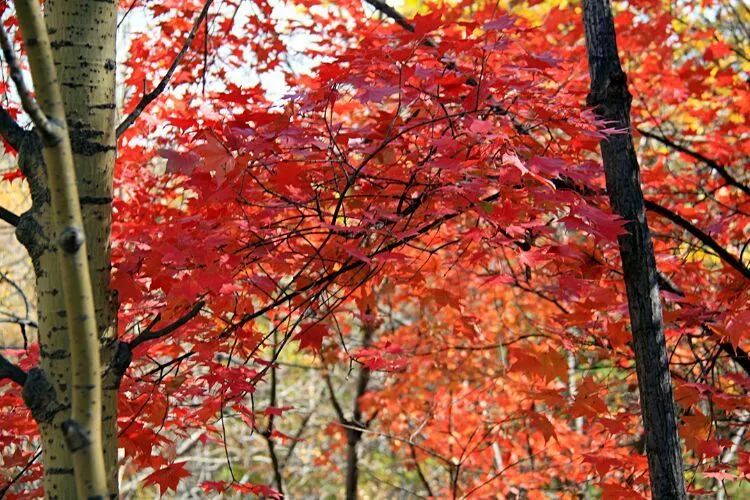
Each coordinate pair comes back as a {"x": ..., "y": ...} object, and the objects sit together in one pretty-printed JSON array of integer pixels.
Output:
[{"x": 365, "y": 249}]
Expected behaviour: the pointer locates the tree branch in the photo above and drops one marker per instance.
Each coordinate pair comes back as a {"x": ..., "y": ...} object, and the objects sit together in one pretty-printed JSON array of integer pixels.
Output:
[
  {"x": 739, "y": 355},
  {"x": 420, "y": 473},
  {"x": 398, "y": 18},
  {"x": 149, "y": 97},
  {"x": 11, "y": 371},
  {"x": 9, "y": 217},
  {"x": 28, "y": 102},
  {"x": 391, "y": 13},
  {"x": 334, "y": 401},
  {"x": 268, "y": 432},
  {"x": 150, "y": 334},
  {"x": 18, "y": 476},
  {"x": 353, "y": 435},
  {"x": 301, "y": 430},
  {"x": 11, "y": 130},
  {"x": 363, "y": 378},
  {"x": 704, "y": 238},
  {"x": 676, "y": 219},
  {"x": 83, "y": 428},
  {"x": 719, "y": 168},
  {"x": 21, "y": 293}
]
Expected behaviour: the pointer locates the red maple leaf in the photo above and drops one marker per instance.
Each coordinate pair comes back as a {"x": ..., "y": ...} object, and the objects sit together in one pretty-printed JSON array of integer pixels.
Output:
[
  {"x": 311, "y": 337},
  {"x": 168, "y": 477}
]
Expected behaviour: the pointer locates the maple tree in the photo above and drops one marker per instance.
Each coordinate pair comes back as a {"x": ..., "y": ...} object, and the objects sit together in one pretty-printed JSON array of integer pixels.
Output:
[{"x": 419, "y": 215}]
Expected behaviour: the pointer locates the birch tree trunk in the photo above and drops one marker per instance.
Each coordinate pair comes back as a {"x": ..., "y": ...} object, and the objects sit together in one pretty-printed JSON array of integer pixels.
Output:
[
  {"x": 82, "y": 40},
  {"x": 610, "y": 97},
  {"x": 82, "y": 33}
]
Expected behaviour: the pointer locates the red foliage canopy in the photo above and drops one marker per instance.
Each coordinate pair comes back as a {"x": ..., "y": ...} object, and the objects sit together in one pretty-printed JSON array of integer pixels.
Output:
[{"x": 443, "y": 171}]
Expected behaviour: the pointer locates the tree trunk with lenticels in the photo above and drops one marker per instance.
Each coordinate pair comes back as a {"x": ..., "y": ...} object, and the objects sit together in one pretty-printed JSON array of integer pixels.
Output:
[{"x": 69, "y": 165}]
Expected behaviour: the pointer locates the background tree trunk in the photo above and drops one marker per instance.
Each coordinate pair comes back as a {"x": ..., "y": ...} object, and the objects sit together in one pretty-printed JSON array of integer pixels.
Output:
[
  {"x": 609, "y": 95},
  {"x": 355, "y": 425}
]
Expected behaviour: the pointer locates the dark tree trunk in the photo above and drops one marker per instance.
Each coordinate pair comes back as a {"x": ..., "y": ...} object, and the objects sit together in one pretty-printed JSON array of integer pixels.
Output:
[
  {"x": 611, "y": 99},
  {"x": 352, "y": 466},
  {"x": 355, "y": 425},
  {"x": 278, "y": 479}
]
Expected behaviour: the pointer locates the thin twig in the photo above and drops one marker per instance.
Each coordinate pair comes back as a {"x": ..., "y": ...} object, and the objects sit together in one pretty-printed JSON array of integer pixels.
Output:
[
  {"x": 149, "y": 97},
  {"x": 27, "y": 100},
  {"x": 703, "y": 237},
  {"x": 15, "y": 479},
  {"x": 718, "y": 167},
  {"x": 150, "y": 334}
]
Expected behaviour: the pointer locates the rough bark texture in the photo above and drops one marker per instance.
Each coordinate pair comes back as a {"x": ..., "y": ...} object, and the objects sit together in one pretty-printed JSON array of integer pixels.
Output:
[
  {"x": 82, "y": 33},
  {"x": 82, "y": 37},
  {"x": 610, "y": 97},
  {"x": 82, "y": 429},
  {"x": 35, "y": 232}
]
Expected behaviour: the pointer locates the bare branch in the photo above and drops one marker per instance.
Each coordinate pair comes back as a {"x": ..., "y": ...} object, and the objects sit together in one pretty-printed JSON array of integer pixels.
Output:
[
  {"x": 391, "y": 13},
  {"x": 718, "y": 167},
  {"x": 704, "y": 238},
  {"x": 334, "y": 401},
  {"x": 19, "y": 290},
  {"x": 11, "y": 371},
  {"x": 11, "y": 130},
  {"x": 27, "y": 100},
  {"x": 8, "y": 216},
  {"x": 150, "y": 334},
  {"x": 420, "y": 473},
  {"x": 298, "y": 436},
  {"x": 149, "y": 97}
]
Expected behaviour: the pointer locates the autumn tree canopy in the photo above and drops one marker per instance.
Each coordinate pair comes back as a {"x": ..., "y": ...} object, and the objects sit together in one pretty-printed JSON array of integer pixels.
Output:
[{"x": 366, "y": 249}]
